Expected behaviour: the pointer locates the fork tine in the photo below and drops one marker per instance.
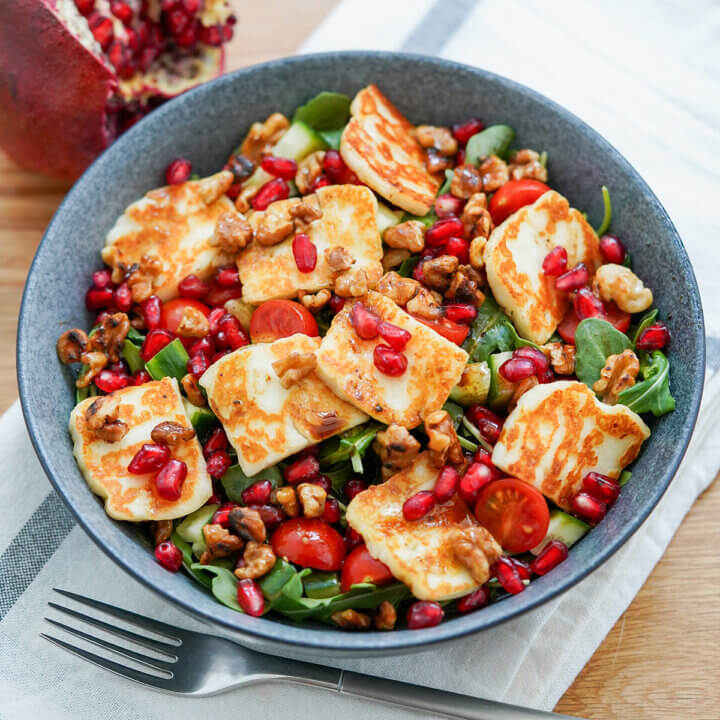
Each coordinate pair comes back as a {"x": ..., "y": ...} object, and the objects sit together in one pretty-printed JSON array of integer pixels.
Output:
[
  {"x": 173, "y": 634},
  {"x": 122, "y": 670},
  {"x": 125, "y": 652}
]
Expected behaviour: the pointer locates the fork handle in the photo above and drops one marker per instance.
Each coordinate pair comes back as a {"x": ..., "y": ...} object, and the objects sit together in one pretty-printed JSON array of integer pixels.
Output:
[{"x": 434, "y": 701}]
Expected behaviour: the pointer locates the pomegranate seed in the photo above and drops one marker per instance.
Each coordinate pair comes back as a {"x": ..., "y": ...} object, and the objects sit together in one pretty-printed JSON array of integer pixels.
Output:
[
  {"x": 388, "y": 361},
  {"x": 119, "y": 368},
  {"x": 508, "y": 575},
  {"x": 588, "y": 507},
  {"x": 140, "y": 377},
  {"x": 331, "y": 515},
  {"x": 204, "y": 345},
  {"x": 97, "y": 298},
  {"x": 551, "y": 556},
  {"x": 463, "y": 132},
  {"x": 279, "y": 167},
  {"x": 227, "y": 276},
  {"x": 573, "y": 279},
  {"x": 546, "y": 377},
  {"x": 216, "y": 441},
  {"x": 190, "y": 6},
  {"x": 446, "y": 484},
  {"x": 474, "y": 601},
  {"x": 447, "y": 205},
  {"x": 304, "y": 252},
  {"x": 151, "y": 309},
  {"x": 178, "y": 171},
  {"x": 336, "y": 303},
  {"x": 653, "y": 337},
  {"x": 535, "y": 356},
  {"x": 485, "y": 458},
  {"x": 271, "y": 516},
  {"x": 102, "y": 278},
  {"x": 442, "y": 230},
  {"x": 222, "y": 515},
  {"x": 418, "y": 505},
  {"x": 214, "y": 317},
  {"x": 459, "y": 247},
  {"x": 170, "y": 479},
  {"x": 461, "y": 313},
  {"x": 154, "y": 342},
  {"x": 122, "y": 11},
  {"x": 476, "y": 477},
  {"x": 424, "y": 614},
  {"x": 487, "y": 422},
  {"x": 523, "y": 568},
  {"x": 133, "y": 40},
  {"x": 322, "y": 181},
  {"x": 587, "y": 304},
  {"x": 354, "y": 487},
  {"x": 198, "y": 364},
  {"x": 168, "y": 5},
  {"x": 394, "y": 336},
  {"x": 227, "y": 32},
  {"x": 250, "y": 597},
  {"x": 302, "y": 470},
  {"x": 218, "y": 463},
  {"x": 516, "y": 369},
  {"x": 102, "y": 29},
  {"x": 85, "y": 7},
  {"x": 231, "y": 333},
  {"x": 336, "y": 170},
  {"x": 258, "y": 493},
  {"x": 352, "y": 539},
  {"x": 612, "y": 250},
  {"x": 122, "y": 297},
  {"x": 211, "y": 36},
  {"x": 169, "y": 556},
  {"x": 460, "y": 157},
  {"x": 177, "y": 20},
  {"x": 365, "y": 322},
  {"x": 108, "y": 381},
  {"x": 555, "y": 262},
  {"x": 149, "y": 458},
  {"x": 601, "y": 487},
  {"x": 324, "y": 482},
  {"x": 270, "y": 192}
]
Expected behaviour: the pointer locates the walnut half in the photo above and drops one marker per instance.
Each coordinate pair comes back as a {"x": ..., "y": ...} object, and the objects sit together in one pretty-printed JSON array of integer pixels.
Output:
[
  {"x": 396, "y": 448},
  {"x": 443, "y": 442},
  {"x": 258, "y": 560},
  {"x": 71, "y": 345},
  {"x": 101, "y": 418},
  {"x": 618, "y": 374}
]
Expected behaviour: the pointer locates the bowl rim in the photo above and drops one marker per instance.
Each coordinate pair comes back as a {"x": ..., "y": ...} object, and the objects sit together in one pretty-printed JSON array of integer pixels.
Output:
[{"x": 297, "y": 636}]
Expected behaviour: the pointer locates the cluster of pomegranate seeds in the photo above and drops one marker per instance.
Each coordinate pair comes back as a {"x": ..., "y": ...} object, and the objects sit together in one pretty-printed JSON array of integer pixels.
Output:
[
  {"x": 193, "y": 287},
  {"x": 464, "y": 131},
  {"x": 388, "y": 359},
  {"x": 418, "y": 505},
  {"x": 653, "y": 337},
  {"x": 331, "y": 514},
  {"x": 440, "y": 232},
  {"x": 154, "y": 342},
  {"x": 149, "y": 458},
  {"x": 178, "y": 171},
  {"x": 474, "y": 601},
  {"x": 218, "y": 464},
  {"x": 279, "y": 167},
  {"x": 217, "y": 440},
  {"x": 170, "y": 479},
  {"x": 463, "y": 313},
  {"x": 446, "y": 483},
  {"x": 354, "y": 486},
  {"x": 601, "y": 486},
  {"x": 304, "y": 252},
  {"x": 612, "y": 249},
  {"x": 302, "y": 470},
  {"x": 447, "y": 205},
  {"x": 486, "y": 421},
  {"x": 424, "y": 614},
  {"x": 509, "y": 575},
  {"x": 573, "y": 279},
  {"x": 476, "y": 477},
  {"x": 169, "y": 556},
  {"x": 336, "y": 171},
  {"x": 525, "y": 362},
  {"x": 270, "y": 192},
  {"x": 587, "y": 304},
  {"x": 551, "y": 556}
]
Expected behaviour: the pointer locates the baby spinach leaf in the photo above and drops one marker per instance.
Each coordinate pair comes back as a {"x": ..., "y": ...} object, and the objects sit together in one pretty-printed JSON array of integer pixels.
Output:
[
  {"x": 223, "y": 585},
  {"x": 493, "y": 140},
  {"x": 607, "y": 215},
  {"x": 235, "y": 480},
  {"x": 188, "y": 562},
  {"x": 332, "y": 137},
  {"x": 517, "y": 341},
  {"x": 325, "y": 111},
  {"x": 445, "y": 187},
  {"x": 652, "y": 394},
  {"x": 489, "y": 332},
  {"x": 595, "y": 341},
  {"x": 645, "y": 321}
]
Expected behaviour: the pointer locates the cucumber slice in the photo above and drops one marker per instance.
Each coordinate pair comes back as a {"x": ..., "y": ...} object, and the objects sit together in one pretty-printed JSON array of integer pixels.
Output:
[
  {"x": 202, "y": 419},
  {"x": 171, "y": 361},
  {"x": 474, "y": 385},
  {"x": 500, "y": 391},
  {"x": 321, "y": 584},
  {"x": 131, "y": 355},
  {"x": 563, "y": 527},
  {"x": 387, "y": 218},
  {"x": 190, "y": 529}
]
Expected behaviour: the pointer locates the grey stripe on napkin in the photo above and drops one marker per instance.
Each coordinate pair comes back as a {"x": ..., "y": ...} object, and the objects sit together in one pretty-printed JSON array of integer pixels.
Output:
[{"x": 439, "y": 23}]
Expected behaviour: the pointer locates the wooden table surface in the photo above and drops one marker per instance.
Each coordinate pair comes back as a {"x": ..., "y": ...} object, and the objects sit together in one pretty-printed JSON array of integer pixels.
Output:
[{"x": 661, "y": 660}]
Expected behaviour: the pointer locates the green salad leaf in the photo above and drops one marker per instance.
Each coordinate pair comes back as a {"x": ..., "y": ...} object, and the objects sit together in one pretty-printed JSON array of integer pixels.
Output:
[
  {"x": 445, "y": 187},
  {"x": 652, "y": 394},
  {"x": 595, "y": 341},
  {"x": 326, "y": 111},
  {"x": 490, "y": 332},
  {"x": 427, "y": 220},
  {"x": 350, "y": 445},
  {"x": 234, "y": 481},
  {"x": 332, "y": 137},
  {"x": 131, "y": 355},
  {"x": 408, "y": 265},
  {"x": 188, "y": 561},
  {"x": 518, "y": 341},
  {"x": 645, "y": 321},
  {"x": 493, "y": 140},
  {"x": 223, "y": 585}
]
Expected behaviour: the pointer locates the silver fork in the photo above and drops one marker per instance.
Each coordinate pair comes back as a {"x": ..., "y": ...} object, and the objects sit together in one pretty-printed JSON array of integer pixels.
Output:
[{"x": 226, "y": 665}]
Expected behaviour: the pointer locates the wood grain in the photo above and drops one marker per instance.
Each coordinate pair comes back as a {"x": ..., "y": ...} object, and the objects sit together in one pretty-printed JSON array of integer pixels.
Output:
[{"x": 660, "y": 661}]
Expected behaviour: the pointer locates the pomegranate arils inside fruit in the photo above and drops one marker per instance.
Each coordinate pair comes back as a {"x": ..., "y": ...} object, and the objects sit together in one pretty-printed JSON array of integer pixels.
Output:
[
  {"x": 102, "y": 29},
  {"x": 149, "y": 458},
  {"x": 612, "y": 250},
  {"x": 555, "y": 262},
  {"x": 653, "y": 337},
  {"x": 122, "y": 297},
  {"x": 459, "y": 247},
  {"x": 587, "y": 304},
  {"x": 177, "y": 20},
  {"x": 573, "y": 279},
  {"x": 258, "y": 493},
  {"x": 198, "y": 364},
  {"x": 508, "y": 575},
  {"x": 169, "y": 556},
  {"x": 588, "y": 507},
  {"x": 302, "y": 470},
  {"x": 354, "y": 487},
  {"x": 418, "y": 505},
  {"x": 551, "y": 556},
  {"x": 216, "y": 441},
  {"x": 85, "y": 7},
  {"x": 190, "y": 6},
  {"x": 474, "y": 601},
  {"x": 396, "y": 337},
  {"x": 536, "y": 357},
  {"x": 193, "y": 287},
  {"x": 279, "y": 167},
  {"x": 122, "y": 11},
  {"x": 447, "y": 205},
  {"x": 487, "y": 422},
  {"x": 211, "y": 35},
  {"x": 102, "y": 278},
  {"x": 439, "y": 233},
  {"x": 464, "y": 131},
  {"x": 516, "y": 369},
  {"x": 250, "y": 597},
  {"x": 446, "y": 483},
  {"x": 365, "y": 322},
  {"x": 331, "y": 514},
  {"x": 601, "y": 487},
  {"x": 98, "y": 298},
  {"x": 154, "y": 342},
  {"x": 304, "y": 252},
  {"x": 424, "y": 614},
  {"x": 227, "y": 276},
  {"x": 151, "y": 310},
  {"x": 352, "y": 539},
  {"x": 270, "y": 192},
  {"x": 178, "y": 171},
  {"x": 461, "y": 313},
  {"x": 170, "y": 479},
  {"x": 388, "y": 361},
  {"x": 218, "y": 464},
  {"x": 476, "y": 477}
]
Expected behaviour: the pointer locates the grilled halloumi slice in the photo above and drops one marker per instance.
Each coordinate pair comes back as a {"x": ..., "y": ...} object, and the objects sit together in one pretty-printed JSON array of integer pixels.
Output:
[
  {"x": 419, "y": 552},
  {"x": 379, "y": 147},
  {"x": 173, "y": 225},
  {"x": 104, "y": 465},
  {"x": 514, "y": 256},
  {"x": 349, "y": 220},
  {"x": 264, "y": 421},
  {"x": 345, "y": 363},
  {"x": 559, "y": 432}
]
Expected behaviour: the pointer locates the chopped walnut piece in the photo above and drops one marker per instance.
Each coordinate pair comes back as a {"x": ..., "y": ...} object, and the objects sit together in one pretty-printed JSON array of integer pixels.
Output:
[
  {"x": 141, "y": 277},
  {"x": 409, "y": 235},
  {"x": 465, "y": 286},
  {"x": 494, "y": 173},
  {"x": 477, "y": 248},
  {"x": 171, "y": 433},
  {"x": 443, "y": 442},
  {"x": 101, "y": 418},
  {"x": 526, "y": 164},
  {"x": 247, "y": 523},
  {"x": 398, "y": 288},
  {"x": 309, "y": 170},
  {"x": 273, "y": 225},
  {"x": 305, "y": 212},
  {"x": 242, "y": 201},
  {"x": 475, "y": 549},
  {"x": 193, "y": 323},
  {"x": 437, "y": 272},
  {"x": 192, "y": 390},
  {"x": 258, "y": 560},
  {"x": 394, "y": 258},
  {"x": 286, "y": 498},
  {"x": 71, "y": 345},
  {"x": 94, "y": 362},
  {"x": 220, "y": 543},
  {"x": 262, "y": 136},
  {"x": 439, "y": 138},
  {"x": 476, "y": 217},
  {"x": 466, "y": 182},
  {"x": 436, "y": 162},
  {"x": 212, "y": 187},
  {"x": 232, "y": 233},
  {"x": 161, "y": 530},
  {"x": 351, "y": 283},
  {"x": 385, "y": 616},
  {"x": 314, "y": 302},
  {"x": 396, "y": 448},
  {"x": 520, "y": 389},
  {"x": 561, "y": 356},
  {"x": 622, "y": 286},
  {"x": 339, "y": 259},
  {"x": 294, "y": 367},
  {"x": 351, "y": 620},
  {"x": 425, "y": 304},
  {"x": 618, "y": 374},
  {"x": 110, "y": 335},
  {"x": 312, "y": 498}
]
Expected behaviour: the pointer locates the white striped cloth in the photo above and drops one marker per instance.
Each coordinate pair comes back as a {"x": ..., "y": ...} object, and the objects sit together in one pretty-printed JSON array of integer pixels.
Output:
[{"x": 645, "y": 75}]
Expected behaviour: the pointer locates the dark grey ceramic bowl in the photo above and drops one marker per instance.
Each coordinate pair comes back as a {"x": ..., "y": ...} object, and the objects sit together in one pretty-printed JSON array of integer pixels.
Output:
[{"x": 204, "y": 125}]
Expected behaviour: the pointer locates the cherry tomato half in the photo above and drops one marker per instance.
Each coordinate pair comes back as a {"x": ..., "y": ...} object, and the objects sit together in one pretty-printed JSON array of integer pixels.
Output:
[
  {"x": 360, "y": 567},
  {"x": 452, "y": 331},
  {"x": 513, "y": 195},
  {"x": 172, "y": 313},
  {"x": 309, "y": 542},
  {"x": 281, "y": 318},
  {"x": 514, "y": 512},
  {"x": 617, "y": 318}
]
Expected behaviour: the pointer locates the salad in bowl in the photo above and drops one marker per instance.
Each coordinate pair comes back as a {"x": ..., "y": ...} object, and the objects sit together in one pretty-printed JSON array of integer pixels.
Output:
[{"x": 369, "y": 373}]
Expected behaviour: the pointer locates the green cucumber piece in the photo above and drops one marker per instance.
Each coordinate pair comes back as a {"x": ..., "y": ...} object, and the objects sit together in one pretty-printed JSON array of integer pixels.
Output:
[
  {"x": 131, "y": 355},
  {"x": 500, "y": 391},
  {"x": 273, "y": 583},
  {"x": 190, "y": 529},
  {"x": 386, "y": 217},
  {"x": 202, "y": 419},
  {"x": 474, "y": 385},
  {"x": 321, "y": 584},
  {"x": 171, "y": 361},
  {"x": 563, "y": 527}
]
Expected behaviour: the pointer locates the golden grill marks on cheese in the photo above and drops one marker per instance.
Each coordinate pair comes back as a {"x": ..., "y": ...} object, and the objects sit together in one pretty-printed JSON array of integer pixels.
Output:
[
  {"x": 345, "y": 363},
  {"x": 104, "y": 465},
  {"x": 173, "y": 224},
  {"x": 264, "y": 421},
  {"x": 379, "y": 147},
  {"x": 349, "y": 220},
  {"x": 513, "y": 260},
  {"x": 559, "y": 432},
  {"x": 418, "y": 552}
]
